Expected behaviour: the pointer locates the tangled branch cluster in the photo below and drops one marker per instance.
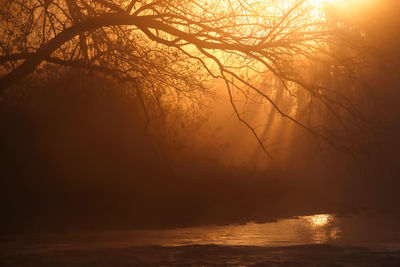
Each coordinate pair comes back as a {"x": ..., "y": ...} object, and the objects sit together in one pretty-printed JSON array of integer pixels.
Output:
[{"x": 168, "y": 49}]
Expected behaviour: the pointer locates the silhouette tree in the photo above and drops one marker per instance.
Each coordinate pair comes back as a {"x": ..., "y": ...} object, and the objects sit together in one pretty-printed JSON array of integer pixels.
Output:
[{"x": 171, "y": 49}]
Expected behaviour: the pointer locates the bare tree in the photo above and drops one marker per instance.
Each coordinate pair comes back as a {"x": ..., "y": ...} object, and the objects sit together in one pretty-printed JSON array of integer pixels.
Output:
[{"x": 170, "y": 49}]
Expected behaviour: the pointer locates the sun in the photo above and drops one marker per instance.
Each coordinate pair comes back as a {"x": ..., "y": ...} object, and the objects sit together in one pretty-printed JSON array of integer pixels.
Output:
[{"x": 320, "y": 2}]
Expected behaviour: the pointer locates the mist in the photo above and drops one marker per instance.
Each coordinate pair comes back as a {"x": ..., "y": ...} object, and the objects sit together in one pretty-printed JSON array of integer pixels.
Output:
[
  {"x": 253, "y": 132},
  {"x": 80, "y": 155}
]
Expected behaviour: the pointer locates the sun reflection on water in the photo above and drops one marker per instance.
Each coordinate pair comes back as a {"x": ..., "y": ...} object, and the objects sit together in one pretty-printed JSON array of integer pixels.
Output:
[
  {"x": 315, "y": 229},
  {"x": 322, "y": 228},
  {"x": 319, "y": 219}
]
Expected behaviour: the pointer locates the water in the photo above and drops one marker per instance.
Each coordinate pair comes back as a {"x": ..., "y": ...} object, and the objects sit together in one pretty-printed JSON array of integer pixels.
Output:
[
  {"x": 373, "y": 231},
  {"x": 317, "y": 240}
]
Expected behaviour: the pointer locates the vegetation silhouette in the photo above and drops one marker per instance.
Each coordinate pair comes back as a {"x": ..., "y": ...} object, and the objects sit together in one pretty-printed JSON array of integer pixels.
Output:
[
  {"x": 98, "y": 97},
  {"x": 168, "y": 50}
]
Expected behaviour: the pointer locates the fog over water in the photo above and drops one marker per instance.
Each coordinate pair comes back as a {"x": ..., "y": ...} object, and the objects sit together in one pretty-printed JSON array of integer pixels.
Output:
[
  {"x": 244, "y": 143},
  {"x": 93, "y": 166}
]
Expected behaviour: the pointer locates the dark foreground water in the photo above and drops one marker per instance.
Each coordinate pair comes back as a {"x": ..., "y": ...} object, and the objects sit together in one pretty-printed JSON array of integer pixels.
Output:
[{"x": 318, "y": 240}]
